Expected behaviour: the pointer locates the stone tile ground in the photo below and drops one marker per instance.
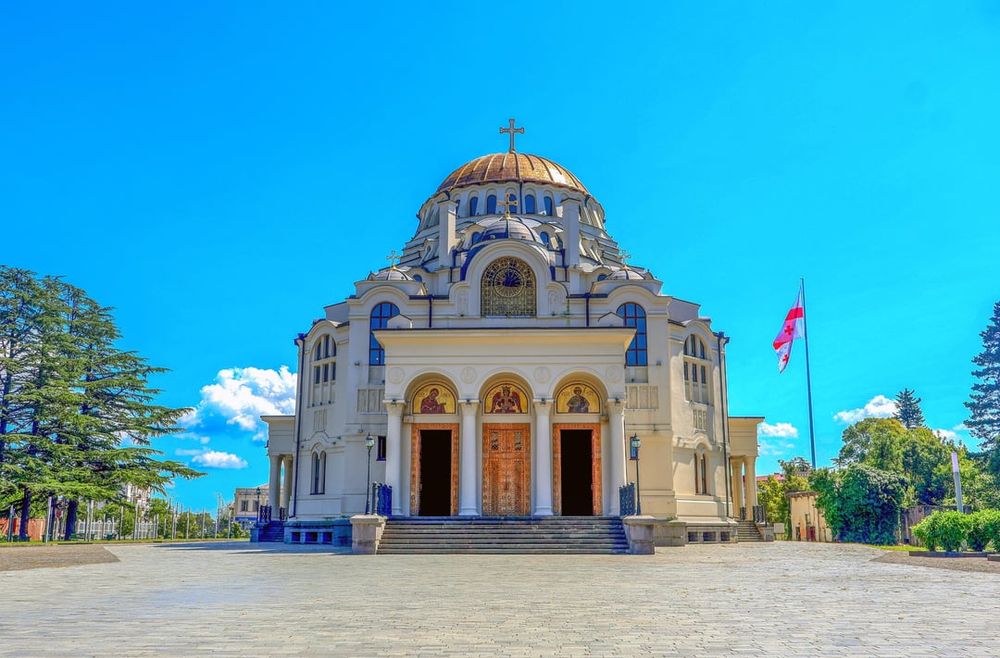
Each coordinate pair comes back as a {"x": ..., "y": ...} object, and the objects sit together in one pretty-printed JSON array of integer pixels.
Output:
[{"x": 231, "y": 600}]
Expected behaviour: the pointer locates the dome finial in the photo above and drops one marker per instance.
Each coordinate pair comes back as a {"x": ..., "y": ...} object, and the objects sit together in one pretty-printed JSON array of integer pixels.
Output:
[
  {"x": 512, "y": 131},
  {"x": 393, "y": 258}
]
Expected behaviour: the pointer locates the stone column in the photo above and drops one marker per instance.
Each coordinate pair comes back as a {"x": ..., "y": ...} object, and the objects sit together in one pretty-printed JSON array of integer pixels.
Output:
[
  {"x": 274, "y": 485},
  {"x": 393, "y": 454},
  {"x": 751, "y": 469},
  {"x": 616, "y": 427},
  {"x": 543, "y": 459},
  {"x": 737, "y": 466},
  {"x": 286, "y": 489},
  {"x": 467, "y": 475}
]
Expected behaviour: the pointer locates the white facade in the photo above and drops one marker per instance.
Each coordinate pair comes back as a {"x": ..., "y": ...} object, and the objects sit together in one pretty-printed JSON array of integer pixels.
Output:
[{"x": 534, "y": 316}]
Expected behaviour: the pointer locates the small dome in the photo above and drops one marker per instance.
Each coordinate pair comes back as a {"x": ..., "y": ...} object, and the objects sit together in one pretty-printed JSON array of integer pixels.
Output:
[
  {"x": 391, "y": 274},
  {"x": 516, "y": 228},
  {"x": 512, "y": 168},
  {"x": 626, "y": 274}
]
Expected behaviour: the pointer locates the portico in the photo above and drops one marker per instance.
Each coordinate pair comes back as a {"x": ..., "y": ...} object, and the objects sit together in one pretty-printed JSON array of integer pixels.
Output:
[{"x": 501, "y": 416}]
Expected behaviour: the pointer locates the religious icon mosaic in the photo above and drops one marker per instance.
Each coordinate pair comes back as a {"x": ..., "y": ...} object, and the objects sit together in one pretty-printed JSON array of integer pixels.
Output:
[
  {"x": 433, "y": 399},
  {"x": 505, "y": 398},
  {"x": 578, "y": 398}
]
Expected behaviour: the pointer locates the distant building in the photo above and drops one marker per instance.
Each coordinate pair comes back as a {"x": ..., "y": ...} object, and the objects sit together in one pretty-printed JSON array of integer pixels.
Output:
[
  {"x": 246, "y": 503},
  {"x": 807, "y": 522}
]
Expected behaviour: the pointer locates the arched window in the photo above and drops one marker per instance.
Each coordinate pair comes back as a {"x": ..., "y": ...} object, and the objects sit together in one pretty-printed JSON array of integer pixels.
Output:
[
  {"x": 701, "y": 473},
  {"x": 473, "y": 206},
  {"x": 324, "y": 369},
  {"x": 696, "y": 369},
  {"x": 635, "y": 317},
  {"x": 549, "y": 206},
  {"x": 491, "y": 204},
  {"x": 380, "y": 317},
  {"x": 476, "y": 237},
  {"x": 318, "y": 473},
  {"x": 507, "y": 289},
  {"x": 545, "y": 238},
  {"x": 529, "y": 204}
]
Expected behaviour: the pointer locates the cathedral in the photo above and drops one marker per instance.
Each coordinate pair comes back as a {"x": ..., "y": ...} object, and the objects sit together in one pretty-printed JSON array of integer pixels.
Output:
[{"x": 511, "y": 362}]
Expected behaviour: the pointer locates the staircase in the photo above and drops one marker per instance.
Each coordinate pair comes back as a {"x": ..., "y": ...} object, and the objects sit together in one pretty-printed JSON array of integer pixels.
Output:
[
  {"x": 270, "y": 531},
  {"x": 555, "y": 535},
  {"x": 747, "y": 531}
]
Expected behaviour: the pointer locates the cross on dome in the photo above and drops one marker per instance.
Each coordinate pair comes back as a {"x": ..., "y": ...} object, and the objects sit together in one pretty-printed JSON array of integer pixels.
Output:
[
  {"x": 512, "y": 131},
  {"x": 506, "y": 204},
  {"x": 393, "y": 258}
]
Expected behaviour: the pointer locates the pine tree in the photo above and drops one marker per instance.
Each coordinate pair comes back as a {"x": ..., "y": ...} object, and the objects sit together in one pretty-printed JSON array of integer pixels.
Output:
[
  {"x": 908, "y": 409},
  {"x": 984, "y": 401}
]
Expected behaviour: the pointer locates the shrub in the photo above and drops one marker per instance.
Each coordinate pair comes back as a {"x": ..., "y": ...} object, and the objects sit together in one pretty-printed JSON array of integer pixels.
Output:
[
  {"x": 979, "y": 536},
  {"x": 926, "y": 531},
  {"x": 989, "y": 521}
]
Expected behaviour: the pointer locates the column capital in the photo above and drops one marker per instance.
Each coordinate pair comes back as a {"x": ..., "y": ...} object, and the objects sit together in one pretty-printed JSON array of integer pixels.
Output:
[
  {"x": 468, "y": 407},
  {"x": 542, "y": 407},
  {"x": 616, "y": 405},
  {"x": 394, "y": 407}
]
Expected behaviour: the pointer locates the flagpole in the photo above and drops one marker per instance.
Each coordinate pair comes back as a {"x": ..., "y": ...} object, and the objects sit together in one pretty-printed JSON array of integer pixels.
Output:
[{"x": 809, "y": 391}]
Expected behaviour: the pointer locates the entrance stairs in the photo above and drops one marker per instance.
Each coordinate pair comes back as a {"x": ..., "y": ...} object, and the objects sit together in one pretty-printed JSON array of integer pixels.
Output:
[
  {"x": 747, "y": 531},
  {"x": 270, "y": 531},
  {"x": 513, "y": 535}
]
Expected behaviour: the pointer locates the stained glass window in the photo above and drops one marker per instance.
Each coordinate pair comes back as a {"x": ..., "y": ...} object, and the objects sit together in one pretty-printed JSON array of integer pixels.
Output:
[{"x": 508, "y": 289}]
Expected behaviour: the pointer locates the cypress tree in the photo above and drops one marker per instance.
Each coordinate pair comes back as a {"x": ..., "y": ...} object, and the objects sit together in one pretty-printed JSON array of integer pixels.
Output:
[
  {"x": 984, "y": 401},
  {"x": 908, "y": 409}
]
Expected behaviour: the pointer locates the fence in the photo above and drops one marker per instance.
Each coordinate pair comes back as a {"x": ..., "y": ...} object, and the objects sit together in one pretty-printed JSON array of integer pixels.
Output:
[
  {"x": 626, "y": 499},
  {"x": 381, "y": 499}
]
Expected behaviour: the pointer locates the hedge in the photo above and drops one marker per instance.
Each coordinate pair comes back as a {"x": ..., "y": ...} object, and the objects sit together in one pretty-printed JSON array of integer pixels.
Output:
[{"x": 952, "y": 530}]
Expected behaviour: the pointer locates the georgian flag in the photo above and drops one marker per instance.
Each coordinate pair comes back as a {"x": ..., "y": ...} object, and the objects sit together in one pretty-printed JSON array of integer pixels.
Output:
[{"x": 794, "y": 327}]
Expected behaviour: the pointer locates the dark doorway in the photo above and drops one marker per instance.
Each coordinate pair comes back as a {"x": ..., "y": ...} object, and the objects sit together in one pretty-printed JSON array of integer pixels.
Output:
[
  {"x": 577, "y": 462},
  {"x": 435, "y": 473}
]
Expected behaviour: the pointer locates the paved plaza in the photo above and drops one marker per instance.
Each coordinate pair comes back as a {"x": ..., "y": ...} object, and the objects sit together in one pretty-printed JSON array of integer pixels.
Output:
[{"x": 239, "y": 599}]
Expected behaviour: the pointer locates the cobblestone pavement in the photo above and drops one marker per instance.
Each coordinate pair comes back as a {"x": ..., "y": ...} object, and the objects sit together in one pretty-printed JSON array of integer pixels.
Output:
[{"x": 231, "y": 600}]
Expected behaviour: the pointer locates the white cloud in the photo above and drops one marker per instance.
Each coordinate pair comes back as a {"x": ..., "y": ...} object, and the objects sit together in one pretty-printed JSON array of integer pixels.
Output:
[
  {"x": 878, "y": 407},
  {"x": 189, "y": 436},
  {"x": 784, "y": 430},
  {"x": 948, "y": 435},
  {"x": 240, "y": 396},
  {"x": 774, "y": 447},
  {"x": 217, "y": 459}
]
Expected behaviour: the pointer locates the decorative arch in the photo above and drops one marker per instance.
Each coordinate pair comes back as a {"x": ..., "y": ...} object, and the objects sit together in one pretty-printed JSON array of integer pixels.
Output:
[
  {"x": 505, "y": 394},
  {"x": 433, "y": 396},
  {"x": 578, "y": 397}
]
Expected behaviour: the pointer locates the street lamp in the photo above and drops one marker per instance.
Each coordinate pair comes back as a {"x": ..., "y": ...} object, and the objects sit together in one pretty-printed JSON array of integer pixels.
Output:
[
  {"x": 634, "y": 442},
  {"x": 369, "y": 443}
]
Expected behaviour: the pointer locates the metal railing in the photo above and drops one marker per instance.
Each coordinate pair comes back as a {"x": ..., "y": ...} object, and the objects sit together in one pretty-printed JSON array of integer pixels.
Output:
[
  {"x": 264, "y": 514},
  {"x": 626, "y": 499},
  {"x": 759, "y": 514},
  {"x": 381, "y": 499}
]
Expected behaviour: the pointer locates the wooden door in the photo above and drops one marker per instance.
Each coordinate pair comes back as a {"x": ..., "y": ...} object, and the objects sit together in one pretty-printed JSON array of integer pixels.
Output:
[{"x": 506, "y": 470}]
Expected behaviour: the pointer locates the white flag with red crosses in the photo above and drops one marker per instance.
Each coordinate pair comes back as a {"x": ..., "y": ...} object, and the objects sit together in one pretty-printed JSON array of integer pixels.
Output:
[{"x": 794, "y": 327}]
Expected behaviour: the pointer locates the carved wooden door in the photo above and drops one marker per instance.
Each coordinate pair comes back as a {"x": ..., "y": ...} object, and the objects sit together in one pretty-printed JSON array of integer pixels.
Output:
[{"x": 506, "y": 471}]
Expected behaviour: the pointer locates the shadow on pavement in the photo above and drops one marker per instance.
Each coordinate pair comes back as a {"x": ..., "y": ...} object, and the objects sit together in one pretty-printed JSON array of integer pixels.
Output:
[{"x": 255, "y": 548}]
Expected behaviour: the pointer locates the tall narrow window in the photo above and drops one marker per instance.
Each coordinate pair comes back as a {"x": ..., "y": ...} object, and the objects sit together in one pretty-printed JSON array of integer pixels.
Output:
[
  {"x": 635, "y": 317},
  {"x": 549, "y": 206},
  {"x": 529, "y": 204},
  {"x": 380, "y": 449},
  {"x": 696, "y": 368},
  {"x": 318, "y": 466},
  {"x": 473, "y": 206},
  {"x": 380, "y": 317},
  {"x": 704, "y": 474},
  {"x": 491, "y": 204},
  {"x": 545, "y": 238}
]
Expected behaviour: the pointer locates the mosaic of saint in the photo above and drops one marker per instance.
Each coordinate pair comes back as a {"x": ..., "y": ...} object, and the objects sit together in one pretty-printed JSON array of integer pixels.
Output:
[
  {"x": 578, "y": 399},
  {"x": 506, "y": 398},
  {"x": 433, "y": 399}
]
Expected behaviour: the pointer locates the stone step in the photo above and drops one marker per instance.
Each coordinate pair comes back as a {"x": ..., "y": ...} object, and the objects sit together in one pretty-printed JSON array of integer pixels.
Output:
[{"x": 497, "y": 550}]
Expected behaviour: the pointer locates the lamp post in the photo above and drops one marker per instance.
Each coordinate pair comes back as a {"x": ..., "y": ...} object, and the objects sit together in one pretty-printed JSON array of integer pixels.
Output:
[
  {"x": 634, "y": 442},
  {"x": 369, "y": 443}
]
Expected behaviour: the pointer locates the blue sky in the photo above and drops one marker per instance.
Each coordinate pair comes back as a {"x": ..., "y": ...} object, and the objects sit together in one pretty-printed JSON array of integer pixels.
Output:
[{"x": 172, "y": 159}]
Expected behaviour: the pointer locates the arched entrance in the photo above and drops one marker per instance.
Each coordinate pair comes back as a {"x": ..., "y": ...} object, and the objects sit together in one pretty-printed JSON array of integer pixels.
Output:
[
  {"x": 506, "y": 449},
  {"x": 433, "y": 451},
  {"x": 576, "y": 452}
]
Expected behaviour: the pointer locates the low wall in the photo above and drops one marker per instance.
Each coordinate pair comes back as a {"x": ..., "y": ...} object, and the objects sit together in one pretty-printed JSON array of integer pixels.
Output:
[{"x": 336, "y": 532}]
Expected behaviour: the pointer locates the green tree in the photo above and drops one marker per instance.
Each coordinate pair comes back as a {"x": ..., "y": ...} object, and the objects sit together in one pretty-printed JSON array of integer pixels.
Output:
[
  {"x": 875, "y": 441},
  {"x": 926, "y": 460},
  {"x": 860, "y": 503},
  {"x": 76, "y": 413},
  {"x": 773, "y": 492},
  {"x": 984, "y": 401},
  {"x": 908, "y": 409}
]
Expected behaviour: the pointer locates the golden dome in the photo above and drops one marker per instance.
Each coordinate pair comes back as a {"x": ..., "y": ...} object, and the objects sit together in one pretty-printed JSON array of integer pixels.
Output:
[{"x": 512, "y": 167}]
